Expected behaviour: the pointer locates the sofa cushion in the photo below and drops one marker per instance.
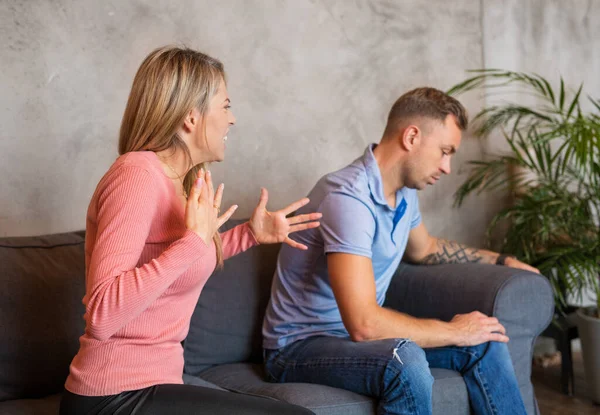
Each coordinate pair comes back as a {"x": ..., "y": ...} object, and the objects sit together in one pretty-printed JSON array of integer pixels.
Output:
[
  {"x": 44, "y": 406},
  {"x": 196, "y": 381},
  {"x": 449, "y": 391},
  {"x": 43, "y": 282},
  {"x": 226, "y": 324},
  {"x": 249, "y": 379}
]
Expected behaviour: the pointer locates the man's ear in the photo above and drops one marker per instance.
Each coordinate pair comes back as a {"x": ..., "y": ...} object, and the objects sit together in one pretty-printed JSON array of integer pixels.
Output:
[
  {"x": 191, "y": 120},
  {"x": 411, "y": 137}
]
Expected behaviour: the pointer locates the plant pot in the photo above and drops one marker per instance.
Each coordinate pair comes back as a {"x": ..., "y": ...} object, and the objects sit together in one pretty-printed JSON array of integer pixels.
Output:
[{"x": 589, "y": 333}]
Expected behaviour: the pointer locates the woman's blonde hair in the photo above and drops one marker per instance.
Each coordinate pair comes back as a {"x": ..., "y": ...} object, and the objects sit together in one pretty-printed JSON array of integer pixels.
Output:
[{"x": 169, "y": 83}]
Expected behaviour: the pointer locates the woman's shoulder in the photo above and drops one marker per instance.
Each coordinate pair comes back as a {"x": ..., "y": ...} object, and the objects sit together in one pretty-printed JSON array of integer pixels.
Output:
[
  {"x": 142, "y": 163},
  {"x": 139, "y": 167},
  {"x": 133, "y": 176},
  {"x": 145, "y": 160}
]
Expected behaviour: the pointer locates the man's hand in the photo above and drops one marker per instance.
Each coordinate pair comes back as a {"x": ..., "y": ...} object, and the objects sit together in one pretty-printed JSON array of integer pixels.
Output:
[
  {"x": 476, "y": 328},
  {"x": 515, "y": 263}
]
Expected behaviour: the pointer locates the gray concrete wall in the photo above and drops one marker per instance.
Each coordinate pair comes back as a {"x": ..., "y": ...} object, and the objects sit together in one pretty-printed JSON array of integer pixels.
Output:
[
  {"x": 553, "y": 38},
  {"x": 311, "y": 83}
]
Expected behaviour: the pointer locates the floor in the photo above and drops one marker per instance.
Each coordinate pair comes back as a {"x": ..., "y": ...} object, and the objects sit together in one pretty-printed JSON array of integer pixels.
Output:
[{"x": 546, "y": 382}]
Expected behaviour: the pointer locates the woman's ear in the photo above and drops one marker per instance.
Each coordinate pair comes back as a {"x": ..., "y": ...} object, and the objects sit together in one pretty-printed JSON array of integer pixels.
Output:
[{"x": 192, "y": 120}]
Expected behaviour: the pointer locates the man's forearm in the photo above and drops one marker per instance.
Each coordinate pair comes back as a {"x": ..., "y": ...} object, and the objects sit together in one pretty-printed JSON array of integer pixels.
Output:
[
  {"x": 387, "y": 323},
  {"x": 463, "y": 330},
  {"x": 450, "y": 252}
]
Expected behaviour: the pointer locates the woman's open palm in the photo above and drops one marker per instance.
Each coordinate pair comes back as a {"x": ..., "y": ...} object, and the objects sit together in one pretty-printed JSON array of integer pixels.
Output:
[{"x": 273, "y": 227}]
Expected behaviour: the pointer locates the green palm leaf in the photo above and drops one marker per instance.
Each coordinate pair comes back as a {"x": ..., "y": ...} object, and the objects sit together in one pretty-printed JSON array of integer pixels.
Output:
[{"x": 553, "y": 173}]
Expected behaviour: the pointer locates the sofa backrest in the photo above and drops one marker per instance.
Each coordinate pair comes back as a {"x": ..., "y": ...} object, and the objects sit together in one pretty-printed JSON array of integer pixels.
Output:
[
  {"x": 41, "y": 314},
  {"x": 226, "y": 324}
]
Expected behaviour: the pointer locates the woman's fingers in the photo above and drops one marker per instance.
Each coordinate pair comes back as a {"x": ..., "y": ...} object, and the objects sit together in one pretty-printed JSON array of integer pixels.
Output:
[
  {"x": 218, "y": 197},
  {"x": 191, "y": 206},
  {"x": 192, "y": 200},
  {"x": 264, "y": 198},
  {"x": 225, "y": 216},
  {"x": 303, "y": 226},
  {"x": 211, "y": 189},
  {"x": 304, "y": 218},
  {"x": 201, "y": 178},
  {"x": 295, "y": 206},
  {"x": 294, "y": 244}
]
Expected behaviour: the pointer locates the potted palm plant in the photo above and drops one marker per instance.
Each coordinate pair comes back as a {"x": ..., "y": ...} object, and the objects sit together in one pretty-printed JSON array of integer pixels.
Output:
[{"x": 551, "y": 170}]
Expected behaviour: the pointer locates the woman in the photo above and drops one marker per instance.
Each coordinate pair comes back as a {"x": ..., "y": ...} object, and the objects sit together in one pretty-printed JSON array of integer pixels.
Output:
[{"x": 152, "y": 242}]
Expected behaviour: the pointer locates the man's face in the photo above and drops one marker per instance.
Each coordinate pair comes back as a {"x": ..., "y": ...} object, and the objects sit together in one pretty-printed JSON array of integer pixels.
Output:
[{"x": 431, "y": 157}]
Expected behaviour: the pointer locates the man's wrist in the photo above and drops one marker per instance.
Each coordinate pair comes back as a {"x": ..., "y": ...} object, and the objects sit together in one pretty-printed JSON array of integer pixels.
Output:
[
  {"x": 501, "y": 260},
  {"x": 455, "y": 335}
]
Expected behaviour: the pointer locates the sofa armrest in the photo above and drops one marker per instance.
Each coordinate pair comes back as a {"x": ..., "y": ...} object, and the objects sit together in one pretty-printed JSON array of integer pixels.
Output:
[
  {"x": 521, "y": 300},
  {"x": 516, "y": 297}
]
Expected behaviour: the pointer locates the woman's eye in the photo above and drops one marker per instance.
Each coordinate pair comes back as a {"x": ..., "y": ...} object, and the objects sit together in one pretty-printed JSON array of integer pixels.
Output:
[{"x": 227, "y": 107}]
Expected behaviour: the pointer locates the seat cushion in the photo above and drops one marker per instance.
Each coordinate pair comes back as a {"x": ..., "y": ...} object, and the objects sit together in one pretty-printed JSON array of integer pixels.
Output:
[
  {"x": 450, "y": 395},
  {"x": 249, "y": 378},
  {"x": 449, "y": 391},
  {"x": 41, "y": 314},
  {"x": 196, "y": 381},
  {"x": 44, "y": 406}
]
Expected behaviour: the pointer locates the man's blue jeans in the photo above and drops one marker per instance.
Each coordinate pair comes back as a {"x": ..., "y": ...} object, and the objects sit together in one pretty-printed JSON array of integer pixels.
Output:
[{"x": 396, "y": 371}]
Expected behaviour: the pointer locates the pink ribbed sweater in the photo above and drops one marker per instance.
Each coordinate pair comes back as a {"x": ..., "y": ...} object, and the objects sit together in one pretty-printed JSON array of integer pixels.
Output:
[{"x": 144, "y": 274}]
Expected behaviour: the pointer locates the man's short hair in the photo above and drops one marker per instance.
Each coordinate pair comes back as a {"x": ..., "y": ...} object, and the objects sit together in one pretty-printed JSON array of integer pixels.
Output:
[{"x": 428, "y": 103}]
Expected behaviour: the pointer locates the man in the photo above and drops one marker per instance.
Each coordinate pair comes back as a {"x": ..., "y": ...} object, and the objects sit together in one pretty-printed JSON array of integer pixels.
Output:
[{"x": 325, "y": 322}]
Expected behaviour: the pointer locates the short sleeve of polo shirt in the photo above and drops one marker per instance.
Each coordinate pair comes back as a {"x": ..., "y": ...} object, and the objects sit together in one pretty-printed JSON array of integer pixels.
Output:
[
  {"x": 415, "y": 219},
  {"x": 347, "y": 226}
]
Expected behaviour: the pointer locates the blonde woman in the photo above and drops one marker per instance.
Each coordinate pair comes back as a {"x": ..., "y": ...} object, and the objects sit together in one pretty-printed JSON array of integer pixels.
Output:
[{"x": 152, "y": 241}]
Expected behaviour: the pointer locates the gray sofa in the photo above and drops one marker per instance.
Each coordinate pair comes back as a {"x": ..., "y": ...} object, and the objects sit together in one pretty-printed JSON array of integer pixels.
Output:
[{"x": 42, "y": 280}]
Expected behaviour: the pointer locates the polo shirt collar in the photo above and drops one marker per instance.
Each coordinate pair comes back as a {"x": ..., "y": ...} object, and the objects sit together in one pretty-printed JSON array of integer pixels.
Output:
[{"x": 374, "y": 176}]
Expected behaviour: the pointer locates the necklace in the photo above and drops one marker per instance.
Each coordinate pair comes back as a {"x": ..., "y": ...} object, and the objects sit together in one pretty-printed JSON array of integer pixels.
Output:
[{"x": 180, "y": 179}]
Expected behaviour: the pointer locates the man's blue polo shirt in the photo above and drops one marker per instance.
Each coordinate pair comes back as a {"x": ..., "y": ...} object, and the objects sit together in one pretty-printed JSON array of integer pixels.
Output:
[{"x": 356, "y": 220}]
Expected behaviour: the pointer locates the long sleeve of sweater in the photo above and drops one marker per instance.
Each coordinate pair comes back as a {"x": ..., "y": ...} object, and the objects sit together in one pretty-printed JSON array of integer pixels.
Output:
[
  {"x": 118, "y": 287},
  {"x": 237, "y": 240}
]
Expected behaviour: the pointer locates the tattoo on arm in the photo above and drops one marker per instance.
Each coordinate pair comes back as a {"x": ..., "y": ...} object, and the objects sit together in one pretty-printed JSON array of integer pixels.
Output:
[{"x": 450, "y": 252}]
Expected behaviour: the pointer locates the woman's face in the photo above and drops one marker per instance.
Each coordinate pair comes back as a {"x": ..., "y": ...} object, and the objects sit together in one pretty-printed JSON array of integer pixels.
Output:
[
  {"x": 210, "y": 140},
  {"x": 207, "y": 140}
]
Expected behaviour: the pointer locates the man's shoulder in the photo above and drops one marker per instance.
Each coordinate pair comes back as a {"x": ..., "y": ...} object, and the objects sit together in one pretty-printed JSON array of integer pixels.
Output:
[{"x": 350, "y": 181}]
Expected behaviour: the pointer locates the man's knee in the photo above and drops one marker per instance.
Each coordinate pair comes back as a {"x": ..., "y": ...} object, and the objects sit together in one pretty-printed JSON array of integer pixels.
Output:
[
  {"x": 491, "y": 354},
  {"x": 410, "y": 362},
  {"x": 495, "y": 350},
  {"x": 499, "y": 352}
]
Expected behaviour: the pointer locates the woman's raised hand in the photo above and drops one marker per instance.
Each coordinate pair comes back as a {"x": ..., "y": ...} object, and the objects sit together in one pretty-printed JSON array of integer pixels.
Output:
[
  {"x": 203, "y": 206},
  {"x": 272, "y": 227}
]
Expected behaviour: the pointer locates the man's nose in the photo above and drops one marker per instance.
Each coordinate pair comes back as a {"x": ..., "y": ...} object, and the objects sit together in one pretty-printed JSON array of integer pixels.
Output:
[{"x": 445, "y": 168}]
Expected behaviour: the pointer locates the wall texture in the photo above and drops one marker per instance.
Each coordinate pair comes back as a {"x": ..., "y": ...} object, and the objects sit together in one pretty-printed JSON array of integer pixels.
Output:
[{"x": 311, "y": 84}]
